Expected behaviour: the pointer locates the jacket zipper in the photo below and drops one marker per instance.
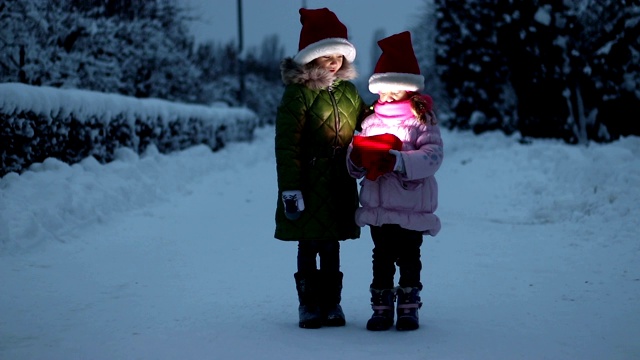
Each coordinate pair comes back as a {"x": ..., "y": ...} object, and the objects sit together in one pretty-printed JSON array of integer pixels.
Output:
[{"x": 337, "y": 118}]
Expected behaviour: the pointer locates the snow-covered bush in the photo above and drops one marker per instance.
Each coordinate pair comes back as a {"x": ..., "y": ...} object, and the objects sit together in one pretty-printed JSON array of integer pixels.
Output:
[{"x": 67, "y": 124}]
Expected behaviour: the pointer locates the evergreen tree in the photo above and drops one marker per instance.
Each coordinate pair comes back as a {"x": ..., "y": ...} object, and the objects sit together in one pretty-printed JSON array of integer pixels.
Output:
[
  {"x": 217, "y": 64},
  {"x": 265, "y": 60},
  {"x": 156, "y": 61},
  {"x": 569, "y": 68},
  {"x": 137, "y": 48},
  {"x": 535, "y": 60},
  {"x": 612, "y": 30},
  {"x": 471, "y": 67},
  {"x": 27, "y": 47},
  {"x": 424, "y": 44}
]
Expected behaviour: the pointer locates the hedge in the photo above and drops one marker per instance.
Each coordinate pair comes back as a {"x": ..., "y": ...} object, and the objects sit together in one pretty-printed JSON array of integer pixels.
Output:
[{"x": 39, "y": 122}]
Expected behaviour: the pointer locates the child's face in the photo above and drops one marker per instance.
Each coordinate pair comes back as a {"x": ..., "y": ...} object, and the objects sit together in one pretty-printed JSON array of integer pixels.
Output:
[
  {"x": 331, "y": 63},
  {"x": 390, "y": 96}
]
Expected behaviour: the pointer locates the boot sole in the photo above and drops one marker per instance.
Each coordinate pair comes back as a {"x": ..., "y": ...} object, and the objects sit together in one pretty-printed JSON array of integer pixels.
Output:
[
  {"x": 335, "y": 323},
  {"x": 407, "y": 326},
  {"x": 379, "y": 326},
  {"x": 407, "y": 329},
  {"x": 310, "y": 325}
]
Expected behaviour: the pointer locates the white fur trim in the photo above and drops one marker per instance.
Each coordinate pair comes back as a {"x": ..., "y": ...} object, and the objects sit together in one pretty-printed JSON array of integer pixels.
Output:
[
  {"x": 326, "y": 47},
  {"x": 395, "y": 82}
]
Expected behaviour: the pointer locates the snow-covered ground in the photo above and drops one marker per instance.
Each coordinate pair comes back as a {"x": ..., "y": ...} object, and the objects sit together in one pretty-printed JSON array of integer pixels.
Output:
[{"x": 173, "y": 257}]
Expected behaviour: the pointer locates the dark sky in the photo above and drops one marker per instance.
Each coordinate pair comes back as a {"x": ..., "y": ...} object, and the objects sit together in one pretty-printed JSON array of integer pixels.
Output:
[{"x": 218, "y": 20}]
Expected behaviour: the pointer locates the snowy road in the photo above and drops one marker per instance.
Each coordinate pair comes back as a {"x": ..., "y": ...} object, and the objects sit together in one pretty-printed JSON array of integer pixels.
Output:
[{"x": 175, "y": 258}]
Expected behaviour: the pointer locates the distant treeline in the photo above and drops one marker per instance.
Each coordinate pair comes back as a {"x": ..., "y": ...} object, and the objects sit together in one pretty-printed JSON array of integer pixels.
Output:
[
  {"x": 543, "y": 68},
  {"x": 133, "y": 48}
]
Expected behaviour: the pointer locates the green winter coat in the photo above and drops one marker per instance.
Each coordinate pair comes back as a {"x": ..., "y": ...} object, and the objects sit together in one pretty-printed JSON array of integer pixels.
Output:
[{"x": 318, "y": 113}]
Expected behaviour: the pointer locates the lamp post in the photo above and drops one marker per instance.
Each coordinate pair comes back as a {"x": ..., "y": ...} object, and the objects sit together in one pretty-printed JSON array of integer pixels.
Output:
[{"x": 240, "y": 64}]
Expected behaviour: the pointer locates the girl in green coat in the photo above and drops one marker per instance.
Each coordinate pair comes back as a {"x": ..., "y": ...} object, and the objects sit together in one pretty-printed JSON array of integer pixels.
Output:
[{"x": 317, "y": 198}]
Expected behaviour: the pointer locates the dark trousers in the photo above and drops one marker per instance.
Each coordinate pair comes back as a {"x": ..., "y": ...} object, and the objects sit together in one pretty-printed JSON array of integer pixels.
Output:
[
  {"x": 310, "y": 250},
  {"x": 394, "y": 245}
]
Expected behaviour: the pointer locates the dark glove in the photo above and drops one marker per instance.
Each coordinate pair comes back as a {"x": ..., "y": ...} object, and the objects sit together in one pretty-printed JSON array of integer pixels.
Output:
[{"x": 293, "y": 204}]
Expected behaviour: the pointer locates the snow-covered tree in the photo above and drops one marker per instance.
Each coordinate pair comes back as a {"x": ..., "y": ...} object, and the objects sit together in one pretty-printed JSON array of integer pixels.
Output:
[
  {"x": 611, "y": 39},
  {"x": 27, "y": 48},
  {"x": 424, "y": 44},
  {"x": 548, "y": 68},
  {"x": 265, "y": 59},
  {"x": 534, "y": 40},
  {"x": 471, "y": 66},
  {"x": 139, "y": 48}
]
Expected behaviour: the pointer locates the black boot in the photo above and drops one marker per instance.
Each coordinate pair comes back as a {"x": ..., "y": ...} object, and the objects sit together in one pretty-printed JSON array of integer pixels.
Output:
[
  {"x": 408, "y": 305},
  {"x": 309, "y": 308},
  {"x": 382, "y": 305},
  {"x": 332, "y": 314}
]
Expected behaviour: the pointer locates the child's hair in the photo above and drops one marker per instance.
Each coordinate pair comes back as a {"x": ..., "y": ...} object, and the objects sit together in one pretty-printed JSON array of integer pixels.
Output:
[{"x": 422, "y": 106}]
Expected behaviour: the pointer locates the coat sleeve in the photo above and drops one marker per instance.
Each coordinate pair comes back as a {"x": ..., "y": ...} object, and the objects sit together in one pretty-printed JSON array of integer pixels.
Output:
[
  {"x": 427, "y": 158},
  {"x": 354, "y": 171},
  {"x": 290, "y": 120}
]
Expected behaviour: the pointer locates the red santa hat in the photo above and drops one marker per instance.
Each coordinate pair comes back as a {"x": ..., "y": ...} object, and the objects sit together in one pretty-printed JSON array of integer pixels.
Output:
[
  {"x": 322, "y": 34},
  {"x": 397, "y": 69}
]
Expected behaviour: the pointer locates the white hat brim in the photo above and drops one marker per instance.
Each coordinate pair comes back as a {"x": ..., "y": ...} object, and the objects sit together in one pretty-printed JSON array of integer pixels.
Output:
[
  {"x": 392, "y": 81},
  {"x": 326, "y": 47}
]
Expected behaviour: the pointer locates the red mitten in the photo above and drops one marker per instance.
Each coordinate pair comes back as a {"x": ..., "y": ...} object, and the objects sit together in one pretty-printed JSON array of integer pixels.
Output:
[
  {"x": 385, "y": 164},
  {"x": 375, "y": 153}
]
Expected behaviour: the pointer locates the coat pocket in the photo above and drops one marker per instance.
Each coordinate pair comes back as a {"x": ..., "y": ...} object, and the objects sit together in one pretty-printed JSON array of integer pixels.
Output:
[{"x": 404, "y": 195}]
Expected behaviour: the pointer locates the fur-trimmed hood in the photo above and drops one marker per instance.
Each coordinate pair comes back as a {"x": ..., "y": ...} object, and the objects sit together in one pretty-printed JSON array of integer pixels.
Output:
[{"x": 312, "y": 76}]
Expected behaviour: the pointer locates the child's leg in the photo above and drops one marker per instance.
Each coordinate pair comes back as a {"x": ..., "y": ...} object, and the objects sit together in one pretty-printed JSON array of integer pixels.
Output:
[
  {"x": 384, "y": 256},
  {"x": 409, "y": 263},
  {"x": 307, "y": 254},
  {"x": 329, "y": 252},
  {"x": 408, "y": 293},
  {"x": 382, "y": 286},
  {"x": 308, "y": 285},
  {"x": 330, "y": 283}
]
